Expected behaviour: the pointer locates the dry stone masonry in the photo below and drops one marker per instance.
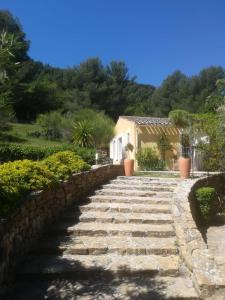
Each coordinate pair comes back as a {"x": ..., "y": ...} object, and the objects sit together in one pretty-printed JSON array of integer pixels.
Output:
[
  {"x": 119, "y": 244},
  {"x": 19, "y": 233},
  {"x": 208, "y": 278}
]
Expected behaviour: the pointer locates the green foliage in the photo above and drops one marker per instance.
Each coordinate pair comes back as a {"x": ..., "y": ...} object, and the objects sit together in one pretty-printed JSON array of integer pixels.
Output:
[
  {"x": 87, "y": 154},
  {"x": 205, "y": 198},
  {"x": 36, "y": 88},
  {"x": 36, "y": 97},
  {"x": 92, "y": 128},
  {"x": 129, "y": 148},
  {"x": 64, "y": 164},
  {"x": 83, "y": 134},
  {"x": 163, "y": 145},
  {"x": 11, "y": 152},
  {"x": 148, "y": 159},
  {"x": 8, "y": 67},
  {"x": 212, "y": 146},
  {"x": 11, "y": 25},
  {"x": 51, "y": 124},
  {"x": 185, "y": 145},
  {"x": 19, "y": 178},
  {"x": 216, "y": 100},
  {"x": 180, "y": 118},
  {"x": 102, "y": 127},
  {"x": 178, "y": 91},
  {"x": 183, "y": 120}
]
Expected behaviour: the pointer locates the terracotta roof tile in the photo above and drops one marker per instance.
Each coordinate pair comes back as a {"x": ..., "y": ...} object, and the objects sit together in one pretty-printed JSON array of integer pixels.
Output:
[{"x": 148, "y": 120}]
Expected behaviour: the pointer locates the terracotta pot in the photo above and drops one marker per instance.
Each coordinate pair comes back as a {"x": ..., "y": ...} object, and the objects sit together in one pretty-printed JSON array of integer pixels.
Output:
[
  {"x": 184, "y": 167},
  {"x": 129, "y": 167}
]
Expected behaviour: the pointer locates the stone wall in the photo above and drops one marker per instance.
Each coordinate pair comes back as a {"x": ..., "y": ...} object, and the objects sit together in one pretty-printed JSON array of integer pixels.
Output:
[
  {"x": 193, "y": 249},
  {"x": 19, "y": 233}
]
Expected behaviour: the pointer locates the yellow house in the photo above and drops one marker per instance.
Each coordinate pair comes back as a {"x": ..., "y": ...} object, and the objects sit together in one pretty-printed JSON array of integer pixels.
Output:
[{"x": 144, "y": 132}]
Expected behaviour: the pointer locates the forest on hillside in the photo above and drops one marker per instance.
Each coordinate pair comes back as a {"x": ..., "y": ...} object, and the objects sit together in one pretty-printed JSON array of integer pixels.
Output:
[{"x": 30, "y": 88}]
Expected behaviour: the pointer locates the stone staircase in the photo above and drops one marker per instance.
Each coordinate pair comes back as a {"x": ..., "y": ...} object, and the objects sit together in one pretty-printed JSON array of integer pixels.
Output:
[{"x": 120, "y": 244}]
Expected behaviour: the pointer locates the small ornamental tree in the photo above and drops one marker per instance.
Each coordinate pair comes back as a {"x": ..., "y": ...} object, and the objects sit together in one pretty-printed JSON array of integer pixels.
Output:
[
  {"x": 129, "y": 148},
  {"x": 163, "y": 145},
  {"x": 183, "y": 120},
  {"x": 83, "y": 134}
]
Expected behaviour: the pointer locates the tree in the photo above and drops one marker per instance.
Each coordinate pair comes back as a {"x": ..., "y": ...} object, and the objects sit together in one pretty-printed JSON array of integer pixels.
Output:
[
  {"x": 11, "y": 25},
  {"x": 52, "y": 124},
  {"x": 35, "y": 98},
  {"x": 209, "y": 130},
  {"x": 8, "y": 65},
  {"x": 180, "y": 118},
  {"x": 216, "y": 100}
]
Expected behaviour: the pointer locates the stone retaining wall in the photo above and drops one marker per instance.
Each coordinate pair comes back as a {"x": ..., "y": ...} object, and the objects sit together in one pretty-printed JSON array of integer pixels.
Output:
[
  {"x": 19, "y": 233},
  {"x": 193, "y": 249}
]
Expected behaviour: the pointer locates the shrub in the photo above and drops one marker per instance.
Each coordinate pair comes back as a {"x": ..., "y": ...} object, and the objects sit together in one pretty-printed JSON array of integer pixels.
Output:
[
  {"x": 148, "y": 159},
  {"x": 102, "y": 127},
  {"x": 11, "y": 152},
  {"x": 87, "y": 154},
  {"x": 52, "y": 124},
  {"x": 64, "y": 164},
  {"x": 206, "y": 197},
  {"x": 19, "y": 178}
]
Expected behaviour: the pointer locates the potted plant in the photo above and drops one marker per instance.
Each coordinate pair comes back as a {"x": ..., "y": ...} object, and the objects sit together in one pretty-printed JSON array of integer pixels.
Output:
[
  {"x": 182, "y": 120},
  {"x": 129, "y": 163},
  {"x": 184, "y": 161}
]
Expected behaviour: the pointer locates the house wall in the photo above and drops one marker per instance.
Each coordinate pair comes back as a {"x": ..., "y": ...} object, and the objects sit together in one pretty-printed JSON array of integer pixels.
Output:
[
  {"x": 142, "y": 137},
  {"x": 123, "y": 127}
]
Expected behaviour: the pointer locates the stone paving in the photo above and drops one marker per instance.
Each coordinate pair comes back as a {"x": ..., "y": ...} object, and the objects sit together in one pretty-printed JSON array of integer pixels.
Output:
[
  {"x": 216, "y": 243},
  {"x": 120, "y": 244}
]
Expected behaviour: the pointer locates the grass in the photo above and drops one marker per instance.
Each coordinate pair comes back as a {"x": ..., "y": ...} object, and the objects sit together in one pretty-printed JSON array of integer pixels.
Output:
[{"x": 19, "y": 133}]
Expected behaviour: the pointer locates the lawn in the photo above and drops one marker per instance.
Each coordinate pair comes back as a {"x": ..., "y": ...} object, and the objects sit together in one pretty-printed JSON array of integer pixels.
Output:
[{"x": 19, "y": 133}]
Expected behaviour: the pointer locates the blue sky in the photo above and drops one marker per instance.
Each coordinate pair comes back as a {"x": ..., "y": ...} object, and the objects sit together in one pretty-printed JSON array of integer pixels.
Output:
[{"x": 153, "y": 37}]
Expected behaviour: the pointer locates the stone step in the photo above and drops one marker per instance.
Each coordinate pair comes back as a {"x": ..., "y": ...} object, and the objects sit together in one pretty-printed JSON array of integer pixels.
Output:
[
  {"x": 148, "y": 179},
  {"x": 128, "y": 192},
  {"x": 148, "y": 288},
  {"x": 84, "y": 245},
  {"x": 109, "y": 229},
  {"x": 89, "y": 266},
  {"x": 126, "y": 208},
  {"x": 129, "y": 199},
  {"x": 153, "y": 188},
  {"x": 118, "y": 217}
]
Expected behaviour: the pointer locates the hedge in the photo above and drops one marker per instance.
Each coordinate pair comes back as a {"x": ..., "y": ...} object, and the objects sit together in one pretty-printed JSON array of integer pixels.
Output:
[
  {"x": 19, "y": 178},
  {"x": 11, "y": 152}
]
